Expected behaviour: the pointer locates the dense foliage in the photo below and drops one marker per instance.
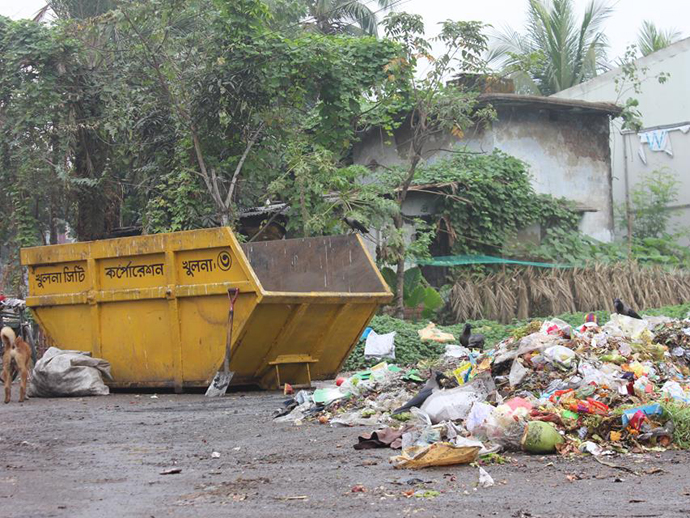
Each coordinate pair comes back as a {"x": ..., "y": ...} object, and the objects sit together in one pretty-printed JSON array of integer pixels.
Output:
[
  {"x": 176, "y": 114},
  {"x": 489, "y": 199}
]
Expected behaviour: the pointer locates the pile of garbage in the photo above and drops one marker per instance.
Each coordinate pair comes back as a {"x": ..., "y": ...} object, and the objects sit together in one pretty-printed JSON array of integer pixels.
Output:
[{"x": 618, "y": 387}]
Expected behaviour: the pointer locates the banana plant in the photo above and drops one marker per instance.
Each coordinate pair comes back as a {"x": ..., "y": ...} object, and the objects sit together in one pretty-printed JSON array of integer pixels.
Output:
[{"x": 417, "y": 291}]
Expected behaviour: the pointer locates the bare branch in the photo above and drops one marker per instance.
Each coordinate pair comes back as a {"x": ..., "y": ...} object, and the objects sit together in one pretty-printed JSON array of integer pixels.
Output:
[{"x": 240, "y": 164}]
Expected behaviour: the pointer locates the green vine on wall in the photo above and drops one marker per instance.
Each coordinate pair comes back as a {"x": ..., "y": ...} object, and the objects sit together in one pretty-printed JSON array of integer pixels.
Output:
[{"x": 489, "y": 199}]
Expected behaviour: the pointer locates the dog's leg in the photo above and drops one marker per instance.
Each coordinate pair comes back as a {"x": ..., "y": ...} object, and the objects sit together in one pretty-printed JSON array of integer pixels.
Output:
[
  {"x": 6, "y": 361},
  {"x": 25, "y": 376}
]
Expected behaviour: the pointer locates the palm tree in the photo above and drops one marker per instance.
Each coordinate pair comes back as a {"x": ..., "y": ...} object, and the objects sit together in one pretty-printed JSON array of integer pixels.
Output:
[
  {"x": 345, "y": 16},
  {"x": 556, "y": 51},
  {"x": 650, "y": 38}
]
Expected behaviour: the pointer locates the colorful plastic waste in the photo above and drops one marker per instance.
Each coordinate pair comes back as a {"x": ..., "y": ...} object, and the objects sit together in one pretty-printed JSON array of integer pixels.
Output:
[{"x": 647, "y": 410}]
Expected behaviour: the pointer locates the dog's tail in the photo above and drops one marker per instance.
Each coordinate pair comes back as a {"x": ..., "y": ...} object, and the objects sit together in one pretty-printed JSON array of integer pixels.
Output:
[{"x": 8, "y": 337}]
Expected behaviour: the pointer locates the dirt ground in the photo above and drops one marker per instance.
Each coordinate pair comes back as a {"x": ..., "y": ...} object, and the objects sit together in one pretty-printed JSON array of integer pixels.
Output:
[{"x": 103, "y": 457}]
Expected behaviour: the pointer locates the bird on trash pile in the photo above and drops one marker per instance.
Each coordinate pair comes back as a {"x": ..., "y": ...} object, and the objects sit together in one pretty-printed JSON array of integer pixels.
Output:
[
  {"x": 467, "y": 339},
  {"x": 433, "y": 384},
  {"x": 623, "y": 309},
  {"x": 355, "y": 225}
]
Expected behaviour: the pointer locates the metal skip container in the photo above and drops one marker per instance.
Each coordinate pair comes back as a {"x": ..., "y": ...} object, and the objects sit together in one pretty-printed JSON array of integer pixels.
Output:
[{"x": 156, "y": 306}]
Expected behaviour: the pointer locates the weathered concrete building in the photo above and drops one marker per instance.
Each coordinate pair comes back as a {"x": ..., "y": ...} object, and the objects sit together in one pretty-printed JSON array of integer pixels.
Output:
[
  {"x": 564, "y": 142},
  {"x": 664, "y": 141}
]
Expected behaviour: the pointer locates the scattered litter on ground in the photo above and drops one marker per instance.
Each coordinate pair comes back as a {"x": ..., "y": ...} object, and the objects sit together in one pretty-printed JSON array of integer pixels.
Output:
[
  {"x": 485, "y": 479},
  {"x": 597, "y": 389},
  {"x": 171, "y": 471}
]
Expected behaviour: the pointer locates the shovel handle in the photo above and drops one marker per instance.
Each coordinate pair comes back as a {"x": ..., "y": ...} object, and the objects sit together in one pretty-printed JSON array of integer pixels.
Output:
[{"x": 233, "y": 293}]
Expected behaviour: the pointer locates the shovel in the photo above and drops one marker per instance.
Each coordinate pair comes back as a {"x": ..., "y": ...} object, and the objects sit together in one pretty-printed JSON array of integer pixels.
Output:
[{"x": 222, "y": 379}]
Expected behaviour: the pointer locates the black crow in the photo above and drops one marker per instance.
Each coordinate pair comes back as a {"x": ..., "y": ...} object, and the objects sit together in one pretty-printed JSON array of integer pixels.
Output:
[
  {"x": 355, "y": 225},
  {"x": 428, "y": 389},
  {"x": 467, "y": 339},
  {"x": 623, "y": 309}
]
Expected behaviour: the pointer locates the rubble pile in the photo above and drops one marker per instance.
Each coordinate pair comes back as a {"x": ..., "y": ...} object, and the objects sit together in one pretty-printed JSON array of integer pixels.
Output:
[{"x": 618, "y": 387}]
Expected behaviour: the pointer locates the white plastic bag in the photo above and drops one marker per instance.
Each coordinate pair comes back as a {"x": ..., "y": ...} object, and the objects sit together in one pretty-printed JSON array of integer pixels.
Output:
[
  {"x": 479, "y": 413},
  {"x": 380, "y": 346},
  {"x": 560, "y": 356},
  {"x": 454, "y": 404},
  {"x": 69, "y": 373}
]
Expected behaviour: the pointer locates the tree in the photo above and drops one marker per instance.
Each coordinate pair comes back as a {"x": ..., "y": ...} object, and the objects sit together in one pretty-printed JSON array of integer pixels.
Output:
[
  {"x": 231, "y": 95},
  {"x": 431, "y": 106},
  {"x": 345, "y": 16},
  {"x": 650, "y": 38},
  {"x": 555, "y": 51}
]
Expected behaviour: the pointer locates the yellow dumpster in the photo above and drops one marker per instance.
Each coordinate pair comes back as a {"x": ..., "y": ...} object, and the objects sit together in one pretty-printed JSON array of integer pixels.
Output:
[{"x": 156, "y": 306}]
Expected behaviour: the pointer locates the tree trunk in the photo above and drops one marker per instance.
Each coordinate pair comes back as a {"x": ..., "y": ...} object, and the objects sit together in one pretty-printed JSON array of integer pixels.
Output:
[
  {"x": 225, "y": 219},
  {"x": 399, "y": 223},
  {"x": 400, "y": 273}
]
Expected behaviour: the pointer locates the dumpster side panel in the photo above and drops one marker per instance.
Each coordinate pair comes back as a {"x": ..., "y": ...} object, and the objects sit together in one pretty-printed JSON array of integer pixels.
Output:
[
  {"x": 270, "y": 327},
  {"x": 343, "y": 337},
  {"x": 203, "y": 324},
  {"x": 68, "y": 326},
  {"x": 137, "y": 341},
  {"x": 337, "y": 264}
]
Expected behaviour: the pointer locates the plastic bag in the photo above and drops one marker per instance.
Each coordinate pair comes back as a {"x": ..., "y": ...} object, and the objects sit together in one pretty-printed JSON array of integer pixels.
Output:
[
  {"x": 437, "y": 454},
  {"x": 69, "y": 373},
  {"x": 556, "y": 327},
  {"x": 626, "y": 327},
  {"x": 478, "y": 415},
  {"x": 504, "y": 426},
  {"x": 380, "y": 346},
  {"x": 485, "y": 479},
  {"x": 673, "y": 390},
  {"x": 517, "y": 374},
  {"x": 454, "y": 404},
  {"x": 560, "y": 356},
  {"x": 456, "y": 351},
  {"x": 432, "y": 334}
]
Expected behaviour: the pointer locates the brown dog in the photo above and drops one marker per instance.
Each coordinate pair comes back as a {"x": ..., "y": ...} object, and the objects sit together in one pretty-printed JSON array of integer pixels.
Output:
[{"x": 18, "y": 350}]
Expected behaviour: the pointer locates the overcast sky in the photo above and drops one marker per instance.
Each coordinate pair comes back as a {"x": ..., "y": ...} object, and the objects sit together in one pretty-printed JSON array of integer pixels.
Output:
[{"x": 621, "y": 27}]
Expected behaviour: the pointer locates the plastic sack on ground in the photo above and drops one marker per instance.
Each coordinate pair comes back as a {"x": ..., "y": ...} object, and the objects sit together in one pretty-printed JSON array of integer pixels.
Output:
[
  {"x": 437, "y": 454},
  {"x": 69, "y": 373},
  {"x": 454, "y": 404},
  {"x": 380, "y": 346},
  {"x": 432, "y": 334}
]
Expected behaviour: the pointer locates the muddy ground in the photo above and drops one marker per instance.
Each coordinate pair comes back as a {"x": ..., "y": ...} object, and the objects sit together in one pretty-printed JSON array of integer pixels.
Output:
[{"x": 103, "y": 457}]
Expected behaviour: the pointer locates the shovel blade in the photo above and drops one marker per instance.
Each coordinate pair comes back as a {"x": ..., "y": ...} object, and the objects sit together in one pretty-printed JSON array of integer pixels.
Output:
[{"x": 220, "y": 384}]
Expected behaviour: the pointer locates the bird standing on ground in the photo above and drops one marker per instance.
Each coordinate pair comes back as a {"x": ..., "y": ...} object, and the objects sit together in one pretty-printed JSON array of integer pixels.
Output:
[
  {"x": 467, "y": 339},
  {"x": 623, "y": 309},
  {"x": 355, "y": 225},
  {"x": 429, "y": 388}
]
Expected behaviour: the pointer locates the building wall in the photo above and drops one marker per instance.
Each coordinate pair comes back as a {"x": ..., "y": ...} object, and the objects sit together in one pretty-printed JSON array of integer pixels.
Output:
[
  {"x": 665, "y": 104},
  {"x": 568, "y": 155}
]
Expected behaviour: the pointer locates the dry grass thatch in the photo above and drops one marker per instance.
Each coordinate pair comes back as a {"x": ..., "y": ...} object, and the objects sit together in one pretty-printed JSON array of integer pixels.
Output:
[{"x": 530, "y": 292}]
